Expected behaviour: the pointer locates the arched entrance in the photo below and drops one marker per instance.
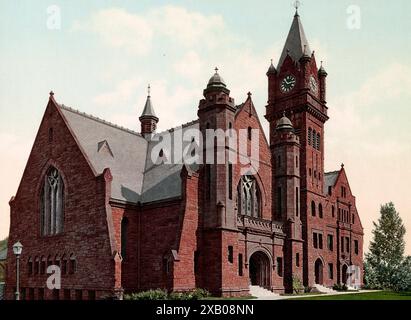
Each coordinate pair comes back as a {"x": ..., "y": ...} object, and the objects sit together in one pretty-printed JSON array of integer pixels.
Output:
[
  {"x": 318, "y": 267},
  {"x": 259, "y": 268},
  {"x": 344, "y": 274}
]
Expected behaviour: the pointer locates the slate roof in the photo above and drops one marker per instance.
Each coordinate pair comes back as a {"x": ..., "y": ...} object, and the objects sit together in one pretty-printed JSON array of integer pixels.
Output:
[
  {"x": 295, "y": 42},
  {"x": 148, "y": 110},
  {"x": 3, "y": 254},
  {"x": 329, "y": 179},
  {"x": 128, "y": 155}
]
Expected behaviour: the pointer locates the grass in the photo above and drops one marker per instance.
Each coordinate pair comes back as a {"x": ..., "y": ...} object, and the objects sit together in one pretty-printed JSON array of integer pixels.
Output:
[
  {"x": 378, "y": 295},
  {"x": 230, "y": 298}
]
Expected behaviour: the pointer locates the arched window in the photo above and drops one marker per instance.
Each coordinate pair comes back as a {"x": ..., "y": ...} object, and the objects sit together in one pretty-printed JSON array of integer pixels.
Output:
[
  {"x": 64, "y": 265},
  {"x": 333, "y": 211},
  {"x": 318, "y": 141},
  {"x": 36, "y": 265},
  {"x": 314, "y": 139},
  {"x": 52, "y": 203},
  {"x": 320, "y": 210},
  {"x": 313, "y": 208},
  {"x": 73, "y": 264},
  {"x": 124, "y": 227},
  {"x": 43, "y": 265},
  {"x": 249, "y": 133},
  {"x": 30, "y": 266},
  {"x": 248, "y": 197},
  {"x": 309, "y": 136}
]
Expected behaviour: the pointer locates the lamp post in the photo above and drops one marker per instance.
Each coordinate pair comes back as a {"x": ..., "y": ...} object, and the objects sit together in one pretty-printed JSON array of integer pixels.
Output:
[{"x": 17, "y": 249}]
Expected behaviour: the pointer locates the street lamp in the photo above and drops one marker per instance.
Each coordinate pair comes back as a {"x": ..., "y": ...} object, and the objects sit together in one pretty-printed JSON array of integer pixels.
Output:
[{"x": 17, "y": 249}]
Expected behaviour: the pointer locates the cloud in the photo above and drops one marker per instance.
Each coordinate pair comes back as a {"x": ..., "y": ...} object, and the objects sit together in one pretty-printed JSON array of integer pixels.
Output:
[
  {"x": 136, "y": 32},
  {"x": 11, "y": 169},
  {"x": 122, "y": 93},
  {"x": 118, "y": 28}
]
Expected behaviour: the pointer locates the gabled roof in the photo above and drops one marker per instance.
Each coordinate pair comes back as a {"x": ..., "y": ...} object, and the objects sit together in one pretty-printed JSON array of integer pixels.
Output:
[
  {"x": 135, "y": 177},
  {"x": 330, "y": 179},
  {"x": 128, "y": 149},
  {"x": 295, "y": 43}
]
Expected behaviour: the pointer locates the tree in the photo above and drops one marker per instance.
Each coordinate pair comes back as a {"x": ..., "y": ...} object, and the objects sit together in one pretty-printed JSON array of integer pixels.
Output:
[{"x": 385, "y": 266}]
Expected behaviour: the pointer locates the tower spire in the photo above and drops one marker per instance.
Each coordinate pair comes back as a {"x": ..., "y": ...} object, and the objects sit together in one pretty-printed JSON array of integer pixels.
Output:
[
  {"x": 296, "y": 44},
  {"x": 148, "y": 118}
]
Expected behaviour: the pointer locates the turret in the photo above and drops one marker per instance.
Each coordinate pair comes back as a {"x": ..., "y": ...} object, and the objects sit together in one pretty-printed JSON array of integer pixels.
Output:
[
  {"x": 148, "y": 118},
  {"x": 322, "y": 75}
]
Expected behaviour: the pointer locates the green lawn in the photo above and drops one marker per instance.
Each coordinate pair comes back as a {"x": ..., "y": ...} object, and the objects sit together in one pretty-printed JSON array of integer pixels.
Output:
[{"x": 380, "y": 295}]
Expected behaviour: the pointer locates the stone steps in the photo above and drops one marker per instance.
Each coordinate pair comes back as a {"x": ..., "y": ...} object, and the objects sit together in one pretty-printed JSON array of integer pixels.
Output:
[
  {"x": 322, "y": 289},
  {"x": 261, "y": 292}
]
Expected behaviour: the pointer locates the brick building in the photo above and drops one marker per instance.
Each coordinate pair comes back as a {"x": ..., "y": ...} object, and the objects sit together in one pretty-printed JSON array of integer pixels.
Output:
[{"x": 93, "y": 201}]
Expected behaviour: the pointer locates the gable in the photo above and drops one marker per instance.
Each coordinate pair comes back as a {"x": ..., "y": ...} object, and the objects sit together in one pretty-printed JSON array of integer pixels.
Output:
[{"x": 109, "y": 146}]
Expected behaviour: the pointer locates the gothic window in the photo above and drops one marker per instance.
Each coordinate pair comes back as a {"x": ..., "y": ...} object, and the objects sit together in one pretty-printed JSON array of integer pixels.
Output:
[
  {"x": 230, "y": 254},
  {"x": 43, "y": 265},
  {"x": 52, "y": 203},
  {"x": 240, "y": 264},
  {"x": 320, "y": 210},
  {"x": 314, "y": 139},
  {"x": 313, "y": 208},
  {"x": 64, "y": 265},
  {"x": 318, "y": 141},
  {"x": 333, "y": 211},
  {"x": 30, "y": 266},
  {"x": 73, "y": 264},
  {"x": 248, "y": 197},
  {"x": 249, "y": 133},
  {"x": 309, "y": 136}
]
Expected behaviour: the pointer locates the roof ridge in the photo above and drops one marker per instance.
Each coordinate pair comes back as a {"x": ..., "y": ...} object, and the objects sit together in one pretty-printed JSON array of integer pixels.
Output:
[
  {"x": 330, "y": 172},
  {"x": 97, "y": 119},
  {"x": 184, "y": 125}
]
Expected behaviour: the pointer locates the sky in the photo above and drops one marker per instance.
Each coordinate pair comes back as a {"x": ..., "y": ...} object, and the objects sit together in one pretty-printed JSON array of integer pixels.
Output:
[{"x": 99, "y": 57}]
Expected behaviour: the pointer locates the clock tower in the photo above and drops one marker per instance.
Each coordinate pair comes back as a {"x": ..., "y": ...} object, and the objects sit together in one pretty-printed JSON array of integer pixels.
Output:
[{"x": 297, "y": 89}]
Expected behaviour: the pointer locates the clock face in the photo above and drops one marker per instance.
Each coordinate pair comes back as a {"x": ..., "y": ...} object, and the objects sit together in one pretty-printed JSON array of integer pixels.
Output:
[
  {"x": 313, "y": 85},
  {"x": 288, "y": 83}
]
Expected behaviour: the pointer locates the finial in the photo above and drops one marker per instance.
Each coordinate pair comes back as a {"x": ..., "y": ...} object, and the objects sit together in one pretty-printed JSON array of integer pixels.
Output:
[
  {"x": 249, "y": 94},
  {"x": 321, "y": 64},
  {"x": 271, "y": 61},
  {"x": 216, "y": 70},
  {"x": 51, "y": 93},
  {"x": 296, "y": 5},
  {"x": 305, "y": 49},
  {"x": 284, "y": 114},
  {"x": 148, "y": 90},
  {"x": 342, "y": 165}
]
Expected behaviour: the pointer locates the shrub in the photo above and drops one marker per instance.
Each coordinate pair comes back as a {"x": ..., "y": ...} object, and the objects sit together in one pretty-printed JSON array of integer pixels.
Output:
[
  {"x": 340, "y": 287},
  {"x": 297, "y": 285},
  {"x": 308, "y": 289},
  {"x": 157, "y": 294}
]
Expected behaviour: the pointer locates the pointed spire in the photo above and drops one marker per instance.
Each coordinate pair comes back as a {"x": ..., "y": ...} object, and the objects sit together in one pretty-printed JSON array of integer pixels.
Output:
[
  {"x": 271, "y": 69},
  {"x": 322, "y": 71},
  {"x": 148, "y": 108},
  {"x": 296, "y": 40}
]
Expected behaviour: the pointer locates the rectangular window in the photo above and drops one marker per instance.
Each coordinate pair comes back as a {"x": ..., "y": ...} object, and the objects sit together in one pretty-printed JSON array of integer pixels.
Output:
[
  {"x": 347, "y": 244},
  {"x": 342, "y": 244},
  {"x": 230, "y": 181},
  {"x": 296, "y": 201},
  {"x": 279, "y": 200},
  {"x": 280, "y": 266},
  {"x": 315, "y": 240},
  {"x": 320, "y": 240},
  {"x": 230, "y": 254},
  {"x": 356, "y": 246},
  {"x": 330, "y": 242},
  {"x": 297, "y": 259},
  {"x": 240, "y": 264},
  {"x": 331, "y": 271},
  {"x": 330, "y": 190}
]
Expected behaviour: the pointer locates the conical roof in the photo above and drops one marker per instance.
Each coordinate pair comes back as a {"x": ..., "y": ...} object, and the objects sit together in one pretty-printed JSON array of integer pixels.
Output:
[{"x": 296, "y": 42}]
